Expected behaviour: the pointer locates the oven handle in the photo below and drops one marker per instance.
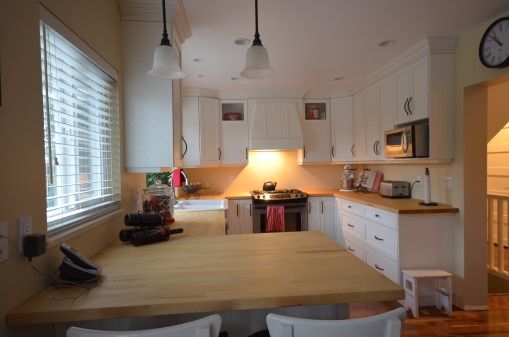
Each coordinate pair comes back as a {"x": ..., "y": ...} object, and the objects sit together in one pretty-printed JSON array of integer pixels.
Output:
[{"x": 294, "y": 206}]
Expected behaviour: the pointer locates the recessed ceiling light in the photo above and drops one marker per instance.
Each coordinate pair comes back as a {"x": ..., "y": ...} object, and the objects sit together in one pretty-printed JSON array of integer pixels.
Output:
[
  {"x": 235, "y": 78},
  {"x": 339, "y": 78},
  {"x": 201, "y": 76},
  {"x": 198, "y": 59},
  {"x": 242, "y": 41},
  {"x": 387, "y": 43}
]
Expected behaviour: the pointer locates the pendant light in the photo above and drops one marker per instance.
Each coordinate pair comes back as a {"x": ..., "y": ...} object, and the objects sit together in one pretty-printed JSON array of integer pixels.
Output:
[
  {"x": 257, "y": 58},
  {"x": 166, "y": 63}
]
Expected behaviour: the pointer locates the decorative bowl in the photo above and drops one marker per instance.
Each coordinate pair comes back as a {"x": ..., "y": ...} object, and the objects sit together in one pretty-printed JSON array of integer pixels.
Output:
[{"x": 192, "y": 188}]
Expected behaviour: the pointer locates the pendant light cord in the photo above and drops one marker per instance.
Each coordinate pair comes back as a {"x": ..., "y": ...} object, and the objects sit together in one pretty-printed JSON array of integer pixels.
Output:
[
  {"x": 165, "y": 41},
  {"x": 256, "y": 41}
]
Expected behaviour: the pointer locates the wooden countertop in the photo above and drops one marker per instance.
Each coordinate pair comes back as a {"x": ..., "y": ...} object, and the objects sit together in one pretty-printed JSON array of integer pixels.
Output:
[
  {"x": 213, "y": 273},
  {"x": 199, "y": 223},
  {"x": 401, "y": 206}
]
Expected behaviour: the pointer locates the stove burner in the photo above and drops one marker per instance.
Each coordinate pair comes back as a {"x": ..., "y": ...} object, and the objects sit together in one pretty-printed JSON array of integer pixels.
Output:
[{"x": 282, "y": 195}]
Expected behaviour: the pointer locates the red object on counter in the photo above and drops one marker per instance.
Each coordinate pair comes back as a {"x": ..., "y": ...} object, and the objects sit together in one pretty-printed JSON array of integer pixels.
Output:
[
  {"x": 176, "y": 178},
  {"x": 275, "y": 219}
]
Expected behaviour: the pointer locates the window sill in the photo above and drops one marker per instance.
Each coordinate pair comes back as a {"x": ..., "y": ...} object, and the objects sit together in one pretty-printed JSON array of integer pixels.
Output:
[{"x": 56, "y": 239}]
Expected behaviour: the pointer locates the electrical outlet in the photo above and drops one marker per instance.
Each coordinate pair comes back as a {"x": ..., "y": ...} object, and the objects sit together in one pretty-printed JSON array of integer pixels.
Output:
[
  {"x": 25, "y": 227},
  {"x": 4, "y": 244}
]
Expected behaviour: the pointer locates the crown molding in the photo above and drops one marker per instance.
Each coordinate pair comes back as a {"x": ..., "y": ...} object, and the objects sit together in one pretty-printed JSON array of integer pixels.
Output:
[
  {"x": 276, "y": 94},
  {"x": 199, "y": 92}
]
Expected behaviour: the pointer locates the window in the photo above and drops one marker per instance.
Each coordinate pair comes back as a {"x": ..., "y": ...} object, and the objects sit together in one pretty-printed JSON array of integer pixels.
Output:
[{"x": 81, "y": 128}]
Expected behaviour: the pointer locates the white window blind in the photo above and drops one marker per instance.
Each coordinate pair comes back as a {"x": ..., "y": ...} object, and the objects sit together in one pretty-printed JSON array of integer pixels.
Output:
[{"x": 81, "y": 130}]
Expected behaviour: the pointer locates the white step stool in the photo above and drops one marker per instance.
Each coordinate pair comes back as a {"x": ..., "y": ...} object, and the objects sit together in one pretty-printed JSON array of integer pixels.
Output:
[{"x": 443, "y": 289}]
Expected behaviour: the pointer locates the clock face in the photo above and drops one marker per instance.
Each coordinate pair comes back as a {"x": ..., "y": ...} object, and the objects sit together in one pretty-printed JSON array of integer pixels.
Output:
[{"x": 494, "y": 47}]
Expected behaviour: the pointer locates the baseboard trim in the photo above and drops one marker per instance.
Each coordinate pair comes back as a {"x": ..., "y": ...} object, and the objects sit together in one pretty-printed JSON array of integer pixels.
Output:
[{"x": 474, "y": 307}]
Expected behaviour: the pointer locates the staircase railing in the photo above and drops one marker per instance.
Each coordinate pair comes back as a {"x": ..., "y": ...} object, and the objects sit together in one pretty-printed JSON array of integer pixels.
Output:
[{"x": 498, "y": 235}]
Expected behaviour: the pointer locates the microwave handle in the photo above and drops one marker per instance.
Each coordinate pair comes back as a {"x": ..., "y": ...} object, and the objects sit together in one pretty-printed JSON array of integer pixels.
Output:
[{"x": 404, "y": 142}]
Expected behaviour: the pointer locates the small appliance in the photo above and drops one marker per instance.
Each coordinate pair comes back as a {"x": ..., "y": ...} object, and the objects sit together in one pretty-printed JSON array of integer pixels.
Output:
[
  {"x": 410, "y": 141},
  {"x": 395, "y": 189},
  {"x": 269, "y": 186},
  {"x": 348, "y": 179}
]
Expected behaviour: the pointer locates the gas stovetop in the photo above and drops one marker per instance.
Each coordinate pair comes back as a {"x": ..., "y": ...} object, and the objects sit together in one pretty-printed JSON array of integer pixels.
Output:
[{"x": 278, "y": 195}]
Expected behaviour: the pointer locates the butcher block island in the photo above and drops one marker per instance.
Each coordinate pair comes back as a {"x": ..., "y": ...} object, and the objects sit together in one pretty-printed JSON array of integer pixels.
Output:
[{"x": 214, "y": 274}]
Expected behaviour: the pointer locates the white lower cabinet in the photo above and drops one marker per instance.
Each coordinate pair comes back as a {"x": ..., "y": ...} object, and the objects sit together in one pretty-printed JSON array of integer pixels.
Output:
[
  {"x": 390, "y": 242},
  {"x": 239, "y": 217},
  {"x": 321, "y": 215}
]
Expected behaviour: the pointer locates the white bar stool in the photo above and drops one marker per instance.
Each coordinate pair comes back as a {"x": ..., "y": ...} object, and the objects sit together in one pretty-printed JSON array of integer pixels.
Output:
[{"x": 443, "y": 289}]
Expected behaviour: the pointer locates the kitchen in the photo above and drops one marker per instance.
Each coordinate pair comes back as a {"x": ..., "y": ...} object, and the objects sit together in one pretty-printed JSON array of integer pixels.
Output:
[{"x": 104, "y": 35}]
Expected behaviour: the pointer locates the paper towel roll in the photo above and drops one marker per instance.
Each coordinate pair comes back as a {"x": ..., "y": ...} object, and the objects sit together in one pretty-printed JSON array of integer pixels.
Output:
[{"x": 427, "y": 187}]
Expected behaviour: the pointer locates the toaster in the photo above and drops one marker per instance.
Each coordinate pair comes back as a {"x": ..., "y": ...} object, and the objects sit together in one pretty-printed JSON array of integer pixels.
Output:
[{"x": 395, "y": 189}]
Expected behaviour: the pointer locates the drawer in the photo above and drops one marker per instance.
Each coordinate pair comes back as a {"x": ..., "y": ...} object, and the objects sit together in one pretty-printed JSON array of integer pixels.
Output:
[
  {"x": 353, "y": 226},
  {"x": 383, "y": 265},
  {"x": 383, "y": 239},
  {"x": 386, "y": 218},
  {"x": 355, "y": 247},
  {"x": 353, "y": 207}
]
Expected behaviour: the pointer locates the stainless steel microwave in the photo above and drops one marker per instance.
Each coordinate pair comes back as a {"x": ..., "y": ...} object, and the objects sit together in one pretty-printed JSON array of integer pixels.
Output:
[{"x": 407, "y": 142}]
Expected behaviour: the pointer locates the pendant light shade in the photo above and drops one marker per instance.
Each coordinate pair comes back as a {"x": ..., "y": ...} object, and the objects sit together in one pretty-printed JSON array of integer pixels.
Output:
[
  {"x": 166, "y": 62},
  {"x": 257, "y": 58}
]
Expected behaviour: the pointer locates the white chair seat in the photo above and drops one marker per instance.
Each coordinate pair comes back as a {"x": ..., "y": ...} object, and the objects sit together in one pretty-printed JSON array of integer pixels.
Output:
[
  {"x": 388, "y": 324},
  {"x": 205, "y": 327}
]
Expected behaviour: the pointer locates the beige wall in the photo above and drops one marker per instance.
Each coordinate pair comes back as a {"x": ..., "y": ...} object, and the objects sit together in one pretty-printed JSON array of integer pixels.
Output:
[
  {"x": 498, "y": 107},
  {"x": 498, "y": 159},
  {"x": 22, "y": 178}
]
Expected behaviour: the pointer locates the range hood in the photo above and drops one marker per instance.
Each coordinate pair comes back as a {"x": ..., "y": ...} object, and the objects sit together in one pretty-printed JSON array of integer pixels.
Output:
[{"x": 275, "y": 125}]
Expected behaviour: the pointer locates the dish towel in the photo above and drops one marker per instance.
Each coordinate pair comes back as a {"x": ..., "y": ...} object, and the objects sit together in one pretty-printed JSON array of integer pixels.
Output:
[
  {"x": 176, "y": 180},
  {"x": 275, "y": 218}
]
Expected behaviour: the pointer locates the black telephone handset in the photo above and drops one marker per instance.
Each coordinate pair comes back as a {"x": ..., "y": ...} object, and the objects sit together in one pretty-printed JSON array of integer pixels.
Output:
[{"x": 76, "y": 268}]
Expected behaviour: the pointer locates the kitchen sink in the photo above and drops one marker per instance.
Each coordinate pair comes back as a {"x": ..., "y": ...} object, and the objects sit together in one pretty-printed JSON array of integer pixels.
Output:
[{"x": 201, "y": 205}]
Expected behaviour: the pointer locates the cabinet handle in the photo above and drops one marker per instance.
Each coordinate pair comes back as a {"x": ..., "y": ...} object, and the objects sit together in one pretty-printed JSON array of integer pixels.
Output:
[
  {"x": 409, "y": 108},
  {"x": 219, "y": 153},
  {"x": 377, "y": 215},
  {"x": 350, "y": 249},
  {"x": 374, "y": 148},
  {"x": 246, "y": 152},
  {"x": 351, "y": 150},
  {"x": 405, "y": 106},
  {"x": 237, "y": 210},
  {"x": 379, "y": 268},
  {"x": 321, "y": 202},
  {"x": 332, "y": 151},
  {"x": 352, "y": 226},
  {"x": 349, "y": 206},
  {"x": 309, "y": 207},
  {"x": 304, "y": 151},
  {"x": 250, "y": 209},
  {"x": 185, "y": 151},
  {"x": 379, "y": 239}
]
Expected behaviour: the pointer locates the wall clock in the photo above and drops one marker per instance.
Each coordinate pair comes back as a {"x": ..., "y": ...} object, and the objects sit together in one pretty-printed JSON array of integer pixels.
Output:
[{"x": 494, "y": 46}]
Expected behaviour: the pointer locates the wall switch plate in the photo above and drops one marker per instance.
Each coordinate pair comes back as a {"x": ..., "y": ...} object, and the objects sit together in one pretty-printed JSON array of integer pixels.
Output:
[
  {"x": 25, "y": 228},
  {"x": 448, "y": 182},
  {"x": 4, "y": 243}
]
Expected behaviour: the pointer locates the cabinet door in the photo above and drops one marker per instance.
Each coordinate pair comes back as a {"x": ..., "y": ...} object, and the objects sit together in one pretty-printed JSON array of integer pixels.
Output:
[
  {"x": 317, "y": 137},
  {"x": 372, "y": 110},
  {"x": 418, "y": 105},
  {"x": 403, "y": 93},
  {"x": 359, "y": 126},
  {"x": 190, "y": 132},
  {"x": 209, "y": 129},
  {"x": 338, "y": 234},
  {"x": 246, "y": 217},
  {"x": 233, "y": 217},
  {"x": 314, "y": 214},
  {"x": 234, "y": 135},
  {"x": 342, "y": 129},
  {"x": 387, "y": 111},
  {"x": 328, "y": 217}
]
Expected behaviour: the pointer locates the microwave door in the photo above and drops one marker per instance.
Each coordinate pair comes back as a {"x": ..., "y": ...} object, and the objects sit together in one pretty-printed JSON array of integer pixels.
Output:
[
  {"x": 393, "y": 144},
  {"x": 404, "y": 142}
]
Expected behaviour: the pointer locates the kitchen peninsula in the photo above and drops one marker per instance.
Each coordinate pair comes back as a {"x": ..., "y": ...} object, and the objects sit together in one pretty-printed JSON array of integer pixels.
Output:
[{"x": 214, "y": 274}]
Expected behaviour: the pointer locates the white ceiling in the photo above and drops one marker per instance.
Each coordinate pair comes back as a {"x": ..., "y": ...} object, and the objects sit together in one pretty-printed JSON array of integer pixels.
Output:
[{"x": 311, "y": 42}]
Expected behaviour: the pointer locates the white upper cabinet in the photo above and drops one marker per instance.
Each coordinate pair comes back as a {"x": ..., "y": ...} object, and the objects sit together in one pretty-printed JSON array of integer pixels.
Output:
[
  {"x": 412, "y": 92},
  {"x": 234, "y": 132},
  {"x": 372, "y": 110},
  {"x": 201, "y": 139},
  {"x": 387, "y": 111},
  {"x": 342, "y": 129},
  {"x": 359, "y": 126},
  {"x": 316, "y": 128}
]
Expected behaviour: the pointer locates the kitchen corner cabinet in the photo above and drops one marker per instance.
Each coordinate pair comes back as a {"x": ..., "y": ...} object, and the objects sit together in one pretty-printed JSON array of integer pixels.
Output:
[
  {"x": 316, "y": 127},
  {"x": 390, "y": 242},
  {"x": 412, "y": 92},
  {"x": 359, "y": 105},
  {"x": 342, "y": 129},
  {"x": 234, "y": 132},
  {"x": 239, "y": 216},
  {"x": 201, "y": 139},
  {"x": 321, "y": 215}
]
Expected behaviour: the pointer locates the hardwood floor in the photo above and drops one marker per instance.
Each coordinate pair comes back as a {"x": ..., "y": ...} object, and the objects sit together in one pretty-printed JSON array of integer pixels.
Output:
[{"x": 431, "y": 323}]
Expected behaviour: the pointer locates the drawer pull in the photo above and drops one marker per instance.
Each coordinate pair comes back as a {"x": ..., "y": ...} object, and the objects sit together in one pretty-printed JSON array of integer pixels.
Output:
[
  {"x": 350, "y": 249},
  {"x": 379, "y": 239},
  {"x": 377, "y": 215},
  {"x": 349, "y": 206},
  {"x": 352, "y": 226},
  {"x": 379, "y": 268}
]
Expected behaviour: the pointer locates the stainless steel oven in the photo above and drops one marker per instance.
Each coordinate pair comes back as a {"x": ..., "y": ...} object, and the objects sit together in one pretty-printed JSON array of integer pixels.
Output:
[{"x": 295, "y": 206}]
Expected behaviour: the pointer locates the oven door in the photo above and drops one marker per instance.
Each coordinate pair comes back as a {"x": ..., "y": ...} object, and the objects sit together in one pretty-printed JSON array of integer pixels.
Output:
[
  {"x": 398, "y": 143},
  {"x": 295, "y": 218}
]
